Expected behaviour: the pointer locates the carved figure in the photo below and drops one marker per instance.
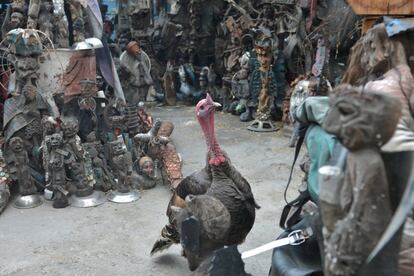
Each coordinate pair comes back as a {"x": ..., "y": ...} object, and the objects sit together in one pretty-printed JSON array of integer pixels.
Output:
[
  {"x": 75, "y": 158},
  {"x": 20, "y": 167},
  {"x": 50, "y": 126},
  {"x": 61, "y": 31},
  {"x": 57, "y": 181},
  {"x": 121, "y": 164},
  {"x": 103, "y": 176},
  {"x": 39, "y": 16},
  {"x": 264, "y": 56},
  {"x": 4, "y": 183},
  {"x": 263, "y": 84},
  {"x": 150, "y": 174},
  {"x": 15, "y": 17},
  {"x": 136, "y": 67},
  {"x": 241, "y": 91},
  {"x": 78, "y": 22},
  {"x": 156, "y": 144},
  {"x": 354, "y": 220},
  {"x": 87, "y": 108}
]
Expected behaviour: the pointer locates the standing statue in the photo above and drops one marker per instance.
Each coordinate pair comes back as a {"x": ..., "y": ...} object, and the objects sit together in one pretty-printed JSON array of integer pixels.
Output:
[
  {"x": 61, "y": 31},
  {"x": 126, "y": 179},
  {"x": 50, "y": 127},
  {"x": 78, "y": 22},
  {"x": 103, "y": 176},
  {"x": 263, "y": 85},
  {"x": 88, "y": 106},
  {"x": 4, "y": 183},
  {"x": 57, "y": 182},
  {"x": 40, "y": 16},
  {"x": 121, "y": 163},
  {"x": 241, "y": 91},
  {"x": 135, "y": 66},
  {"x": 75, "y": 158},
  {"x": 19, "y": 165},
  {"x": 15, "y": 17},
  {"x": 355, "y": 213}
]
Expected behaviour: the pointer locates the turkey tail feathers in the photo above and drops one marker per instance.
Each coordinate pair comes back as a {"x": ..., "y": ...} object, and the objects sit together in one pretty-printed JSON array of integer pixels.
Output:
[
  {"x": 169, "y": 236},
  {"x": 161, "y": 245}
]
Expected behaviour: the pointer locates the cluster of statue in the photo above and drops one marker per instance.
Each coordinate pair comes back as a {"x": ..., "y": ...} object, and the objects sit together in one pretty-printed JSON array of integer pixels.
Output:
[
  {"x": 250, "y": 51},
  {"x": 80, "y": 144}
]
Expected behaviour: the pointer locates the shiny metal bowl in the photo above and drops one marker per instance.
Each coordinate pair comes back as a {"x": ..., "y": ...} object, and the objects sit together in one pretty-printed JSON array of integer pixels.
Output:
[
  {"x": 95, "y": 199},
  {"x": 118, "y": 197},
  {"x": 27, "y": 202}
]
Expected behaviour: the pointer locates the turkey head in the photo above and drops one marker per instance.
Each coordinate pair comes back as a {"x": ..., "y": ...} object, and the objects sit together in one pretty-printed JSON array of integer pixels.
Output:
[{"x": 205, "y": 115}]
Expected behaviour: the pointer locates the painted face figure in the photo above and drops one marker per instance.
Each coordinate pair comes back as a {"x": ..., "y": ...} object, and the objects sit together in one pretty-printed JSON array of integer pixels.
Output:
[
  {"x": 16, "y": 144},
  {"x": 148, "y": 168},
  {"x": 56, "y": 140},
  {"x": 118, "y": 148},
  {"x": 134, "y": 48},
  {"x": 16, "y": 20},
  {"x": 70, "y": 127}
]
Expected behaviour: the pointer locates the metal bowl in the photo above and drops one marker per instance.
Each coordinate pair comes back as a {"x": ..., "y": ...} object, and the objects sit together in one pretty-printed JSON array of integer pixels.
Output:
[
  {"x": 118, "y": 197},
  {"x": 27, "y": 202},
  {"x": 95, "y": 199}
]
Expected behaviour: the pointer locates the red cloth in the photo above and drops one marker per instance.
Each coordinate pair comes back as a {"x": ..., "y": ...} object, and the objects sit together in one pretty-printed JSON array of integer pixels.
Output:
[{"x": 82, "y": 65}]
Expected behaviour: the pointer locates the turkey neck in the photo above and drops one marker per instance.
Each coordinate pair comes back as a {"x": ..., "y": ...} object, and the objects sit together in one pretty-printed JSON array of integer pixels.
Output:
[{"x": 207, "y": 125}]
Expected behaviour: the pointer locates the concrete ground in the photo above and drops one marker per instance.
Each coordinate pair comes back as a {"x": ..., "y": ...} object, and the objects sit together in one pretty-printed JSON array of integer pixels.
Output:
[{"x": 116, "y": 239}]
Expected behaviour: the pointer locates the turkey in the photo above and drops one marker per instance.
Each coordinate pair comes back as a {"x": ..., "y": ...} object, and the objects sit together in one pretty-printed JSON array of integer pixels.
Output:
[
  {"x": 222, "y": 209},
  {"x": 196, "y": 183}
]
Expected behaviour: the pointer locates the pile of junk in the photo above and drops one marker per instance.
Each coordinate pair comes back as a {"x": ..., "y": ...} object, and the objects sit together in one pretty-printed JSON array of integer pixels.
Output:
[
  {"x": 65, "y": 134},
  {"x": 243, "y": 53}
]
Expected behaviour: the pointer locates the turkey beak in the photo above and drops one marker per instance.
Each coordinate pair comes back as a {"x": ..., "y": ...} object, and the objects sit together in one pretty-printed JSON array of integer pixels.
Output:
[
  {"x": 211, "y": 103},
  {"x": 216, "y": 104}
]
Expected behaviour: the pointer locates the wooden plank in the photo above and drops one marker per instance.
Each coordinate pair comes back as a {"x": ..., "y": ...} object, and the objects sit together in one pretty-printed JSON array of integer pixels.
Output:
[
  {"x": 382, "y": 7},
  {"x": 368, "y": 22}
]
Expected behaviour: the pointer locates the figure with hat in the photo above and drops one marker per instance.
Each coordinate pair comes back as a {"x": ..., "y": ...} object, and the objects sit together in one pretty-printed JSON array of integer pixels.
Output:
[
  {"x": 150, "y": 174},
  {"x": 135, "y": 73}
]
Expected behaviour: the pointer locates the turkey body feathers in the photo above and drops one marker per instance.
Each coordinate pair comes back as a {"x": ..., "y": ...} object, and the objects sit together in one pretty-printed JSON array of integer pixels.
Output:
[
  {"x": 229, "y": 187},
  {"x": 195, "y": 184}
]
